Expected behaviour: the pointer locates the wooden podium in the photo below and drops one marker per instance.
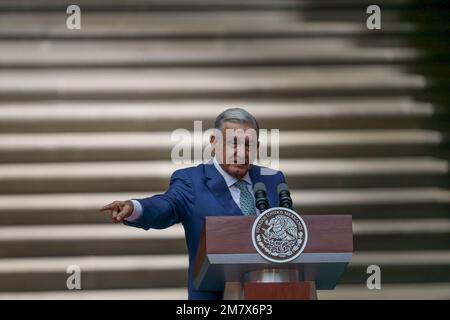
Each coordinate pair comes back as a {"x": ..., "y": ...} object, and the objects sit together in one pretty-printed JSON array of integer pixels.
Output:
[{"x": 227, "y": 260}]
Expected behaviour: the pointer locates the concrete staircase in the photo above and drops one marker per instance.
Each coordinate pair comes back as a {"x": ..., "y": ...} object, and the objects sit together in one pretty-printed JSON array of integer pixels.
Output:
[{"x": 86, "y": 118}]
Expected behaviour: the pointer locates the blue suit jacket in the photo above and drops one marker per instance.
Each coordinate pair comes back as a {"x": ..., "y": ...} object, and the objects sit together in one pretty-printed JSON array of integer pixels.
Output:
[{"x": 194, "y": 193}]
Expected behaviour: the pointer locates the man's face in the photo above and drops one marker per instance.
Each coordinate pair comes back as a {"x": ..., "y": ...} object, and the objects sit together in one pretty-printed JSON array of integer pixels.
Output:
[{"x": 236, "y": 149}]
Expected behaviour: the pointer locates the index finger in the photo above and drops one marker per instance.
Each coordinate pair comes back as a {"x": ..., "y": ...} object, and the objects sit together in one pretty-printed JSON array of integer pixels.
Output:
[{"x": 108, "y": 207}]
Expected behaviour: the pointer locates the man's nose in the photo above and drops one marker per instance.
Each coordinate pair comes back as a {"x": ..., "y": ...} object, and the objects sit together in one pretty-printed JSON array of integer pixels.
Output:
[{"x": 238, "y": 151}]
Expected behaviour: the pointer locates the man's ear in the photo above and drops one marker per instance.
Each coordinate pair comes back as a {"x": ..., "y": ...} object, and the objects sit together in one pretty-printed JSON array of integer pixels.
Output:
[{"x": 212, "y": 139}]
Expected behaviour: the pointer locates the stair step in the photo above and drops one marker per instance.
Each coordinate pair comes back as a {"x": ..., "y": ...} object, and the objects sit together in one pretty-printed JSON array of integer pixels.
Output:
[
  {"x": 147, "y": 176},
  {"x": 169, "y": 271},
  {"x": 400, "y": 267},
  {"x": 183, "y": 25},
  {"x": 36, "y": 274},
  {"x": 211, "y": 82},
  {"x": 91, "y": 263},
  {"x": 401, "y": 234},
  {"x": 128, "y": 294},
  {"x": 113, "y": 116},
  {"x": 135, "y": 146},
  {"x": 80, "y": 240},
  {"x": 414, "y": 291},
  {"x": 44, "y": 54},
  {"x": 198, "y": 5},
  {"x": 388, "y": 203},
  {"x": 95, "y": 232}
]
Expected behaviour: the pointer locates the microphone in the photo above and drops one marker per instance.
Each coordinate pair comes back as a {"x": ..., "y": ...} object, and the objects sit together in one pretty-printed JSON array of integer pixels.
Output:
[
  {"x": 284, "y": 196},
  {"x": 261, "y": 196}
]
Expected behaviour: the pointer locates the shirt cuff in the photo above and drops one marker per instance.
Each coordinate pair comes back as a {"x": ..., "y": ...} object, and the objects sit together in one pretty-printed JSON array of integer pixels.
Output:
[{"x": 137, "y": 211}]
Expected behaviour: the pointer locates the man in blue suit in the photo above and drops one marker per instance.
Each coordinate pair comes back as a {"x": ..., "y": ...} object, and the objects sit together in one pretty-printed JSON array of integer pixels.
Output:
[{"x": 221, "y": 187}]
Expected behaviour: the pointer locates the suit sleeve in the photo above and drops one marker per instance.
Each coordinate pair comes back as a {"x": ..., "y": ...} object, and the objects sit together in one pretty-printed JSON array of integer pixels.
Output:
[{"x": 164, "y": 210}]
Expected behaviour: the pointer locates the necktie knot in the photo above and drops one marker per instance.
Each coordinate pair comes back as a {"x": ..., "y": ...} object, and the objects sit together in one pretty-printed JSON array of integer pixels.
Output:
[{"x": 241, "y": 184}]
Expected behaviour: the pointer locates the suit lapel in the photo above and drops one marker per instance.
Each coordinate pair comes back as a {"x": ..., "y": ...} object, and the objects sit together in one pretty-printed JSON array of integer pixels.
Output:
[
  {"x": 216, "y": 184},
  {"x": 255, "y": 175}
]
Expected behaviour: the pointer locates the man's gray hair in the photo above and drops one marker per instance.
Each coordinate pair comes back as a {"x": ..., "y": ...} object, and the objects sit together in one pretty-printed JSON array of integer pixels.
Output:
[{"x": 238, "y": 115}]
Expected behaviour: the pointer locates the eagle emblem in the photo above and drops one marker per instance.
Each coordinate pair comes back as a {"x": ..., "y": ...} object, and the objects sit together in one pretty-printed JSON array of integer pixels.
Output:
[{"x": 279, "y": 234}]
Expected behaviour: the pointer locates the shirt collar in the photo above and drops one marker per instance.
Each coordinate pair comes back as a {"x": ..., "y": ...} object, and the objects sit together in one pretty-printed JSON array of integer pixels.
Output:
[{"x": 229, "y": 179}]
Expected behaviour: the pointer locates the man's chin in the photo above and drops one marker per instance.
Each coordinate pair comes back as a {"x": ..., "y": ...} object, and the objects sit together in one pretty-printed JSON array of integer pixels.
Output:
[{"x": 238, "y": 170}]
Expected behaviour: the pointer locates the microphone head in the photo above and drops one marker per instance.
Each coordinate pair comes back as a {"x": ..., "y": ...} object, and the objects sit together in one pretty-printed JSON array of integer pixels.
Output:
[
  {"x": 282, "y": 187},
  {"x": 259, "y": 187}
]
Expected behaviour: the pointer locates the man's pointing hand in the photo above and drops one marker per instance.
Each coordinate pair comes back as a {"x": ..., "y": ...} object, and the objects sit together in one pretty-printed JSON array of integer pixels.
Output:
[{"x": 118, "y": 210}]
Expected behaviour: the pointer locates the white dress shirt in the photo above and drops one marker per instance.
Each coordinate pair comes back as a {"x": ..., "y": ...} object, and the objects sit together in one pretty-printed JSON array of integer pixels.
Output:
[{"x": 229, "y": 180}]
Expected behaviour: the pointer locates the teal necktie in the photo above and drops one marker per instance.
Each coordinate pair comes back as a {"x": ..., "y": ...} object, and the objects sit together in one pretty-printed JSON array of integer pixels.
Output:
[{"x": 246, "y": 201}]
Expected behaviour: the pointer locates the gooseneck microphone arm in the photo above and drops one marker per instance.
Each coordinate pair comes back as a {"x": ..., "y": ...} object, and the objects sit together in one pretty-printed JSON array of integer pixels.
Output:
[
  {"x": 261, "y": 196},
  {"x": 284, "y": 196}
]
